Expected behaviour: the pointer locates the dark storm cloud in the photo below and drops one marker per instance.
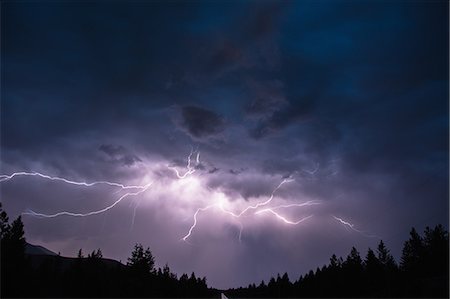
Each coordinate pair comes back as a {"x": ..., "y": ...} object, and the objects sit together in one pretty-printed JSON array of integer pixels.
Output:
[
  {"x": 268, "y": 98},
  {"x": 119, "y": 154},
  {"x": 261, "y": 106},
  {"x": 213, "y": 170},
  {"x": 242, "y": 187},
  {"x": 200, "y": 122},
  {"x": 348, "y": 98},
  {"x": 283, "y": 118},
  {"x": 237, "y": 171}
]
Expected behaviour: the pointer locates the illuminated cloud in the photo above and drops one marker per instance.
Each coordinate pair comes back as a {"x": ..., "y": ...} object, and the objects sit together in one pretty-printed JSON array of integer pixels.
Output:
[{"x": 348, "y": 107}]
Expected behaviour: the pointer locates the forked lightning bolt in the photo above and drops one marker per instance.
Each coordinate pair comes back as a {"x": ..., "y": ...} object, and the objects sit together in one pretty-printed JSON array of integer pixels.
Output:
[
  {"x": 264, "y": 203},
  {"x": 260, "y": 207},
  {"x": 307, "y": 203},
  {"x": 142, "y": 188},
  {"x": 5, "y": 177},
  {"x": 255, "y": 207},
  {"x": 65, "y": 213},
  {"x": 190, "y": 169},
  {"x": 230, "y": 212},
  {"x": 282, "y": 218}
]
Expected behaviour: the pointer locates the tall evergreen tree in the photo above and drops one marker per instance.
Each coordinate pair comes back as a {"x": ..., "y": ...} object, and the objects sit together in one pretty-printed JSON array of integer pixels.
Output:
[
  {"x": 371, "y": 263},
  {"x": 412, "y": 254},
  {"x": 435, "y": 242},
  {"x": 13, "y": 261},
  {"x": 141, "y": 261},
  {"x": 4, "y": 225},
  {"x": 385, "y": 257},
  {"x": 373, "y": 273},
  {"x": 353, "y": 270},
  {"x": 353, "y": 259},
  {"x": 335, "y": 263}
]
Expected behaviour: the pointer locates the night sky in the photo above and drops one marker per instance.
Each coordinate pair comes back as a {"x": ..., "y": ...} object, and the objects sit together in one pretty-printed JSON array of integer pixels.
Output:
[{"x": 344, "y": 101}]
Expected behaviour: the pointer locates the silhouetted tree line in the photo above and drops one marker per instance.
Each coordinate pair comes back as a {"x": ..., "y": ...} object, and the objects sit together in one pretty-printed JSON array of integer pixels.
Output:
[
  {"x": 422, "y": 272},
  {"x": 90, "y": 276},
  {"x": 13, "y": 261}
]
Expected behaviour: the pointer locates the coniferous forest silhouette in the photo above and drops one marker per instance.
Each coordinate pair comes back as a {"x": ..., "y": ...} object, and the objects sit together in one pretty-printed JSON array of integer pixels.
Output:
[{"x": 423, "y": 271}]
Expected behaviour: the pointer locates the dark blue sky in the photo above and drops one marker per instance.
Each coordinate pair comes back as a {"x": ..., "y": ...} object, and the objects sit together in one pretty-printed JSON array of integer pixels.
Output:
[{"x": 349, "y": 99}]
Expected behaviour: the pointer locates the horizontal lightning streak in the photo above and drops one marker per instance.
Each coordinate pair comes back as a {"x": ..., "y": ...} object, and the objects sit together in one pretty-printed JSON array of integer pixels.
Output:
[
  {"x": 282, "y": 218},
  {"x": 307, "y": 203},
  {"x": 5, "y": 177},
  {"x": 142, "y": 188},
  {"x": 65, "y": 213}
]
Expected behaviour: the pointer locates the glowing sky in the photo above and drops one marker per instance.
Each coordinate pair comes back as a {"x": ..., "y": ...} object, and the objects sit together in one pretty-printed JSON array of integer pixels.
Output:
[{"x": 344, "y": 102}]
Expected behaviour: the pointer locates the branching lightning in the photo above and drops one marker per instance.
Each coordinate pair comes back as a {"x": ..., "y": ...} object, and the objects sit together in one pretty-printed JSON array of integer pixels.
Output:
[
  {"x": 193, "y": 161},
  {"x": 307, "y": 203},
  {"x": 255, "y": 207},
  {"x": 4, "y": 177},
  {"x": 282, "y": 218},
  {"x": 65, "y": 213},
  {"x": 142, "y": 188},
  {"x": 264, "y": 203},
  {"x": 190, "y": 169}
]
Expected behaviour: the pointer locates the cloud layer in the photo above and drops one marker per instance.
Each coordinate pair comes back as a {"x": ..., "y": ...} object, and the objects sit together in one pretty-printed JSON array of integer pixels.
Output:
[{"x": 353, "y": 107}]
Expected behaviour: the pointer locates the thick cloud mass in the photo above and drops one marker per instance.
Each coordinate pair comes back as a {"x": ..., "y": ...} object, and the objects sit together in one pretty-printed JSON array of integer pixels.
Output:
[
  {"x": 119, "y": 154},
  {"x": 349, "y": 100},
  {"x": 199, "y": 122}
]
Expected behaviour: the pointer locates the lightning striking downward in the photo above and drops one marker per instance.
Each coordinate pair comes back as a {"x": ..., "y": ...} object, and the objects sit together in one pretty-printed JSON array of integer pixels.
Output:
[
  {"x": 195, "y": 221},
  {"x": 254, "y": 207},
  {"x": 194, "y": 224}
]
